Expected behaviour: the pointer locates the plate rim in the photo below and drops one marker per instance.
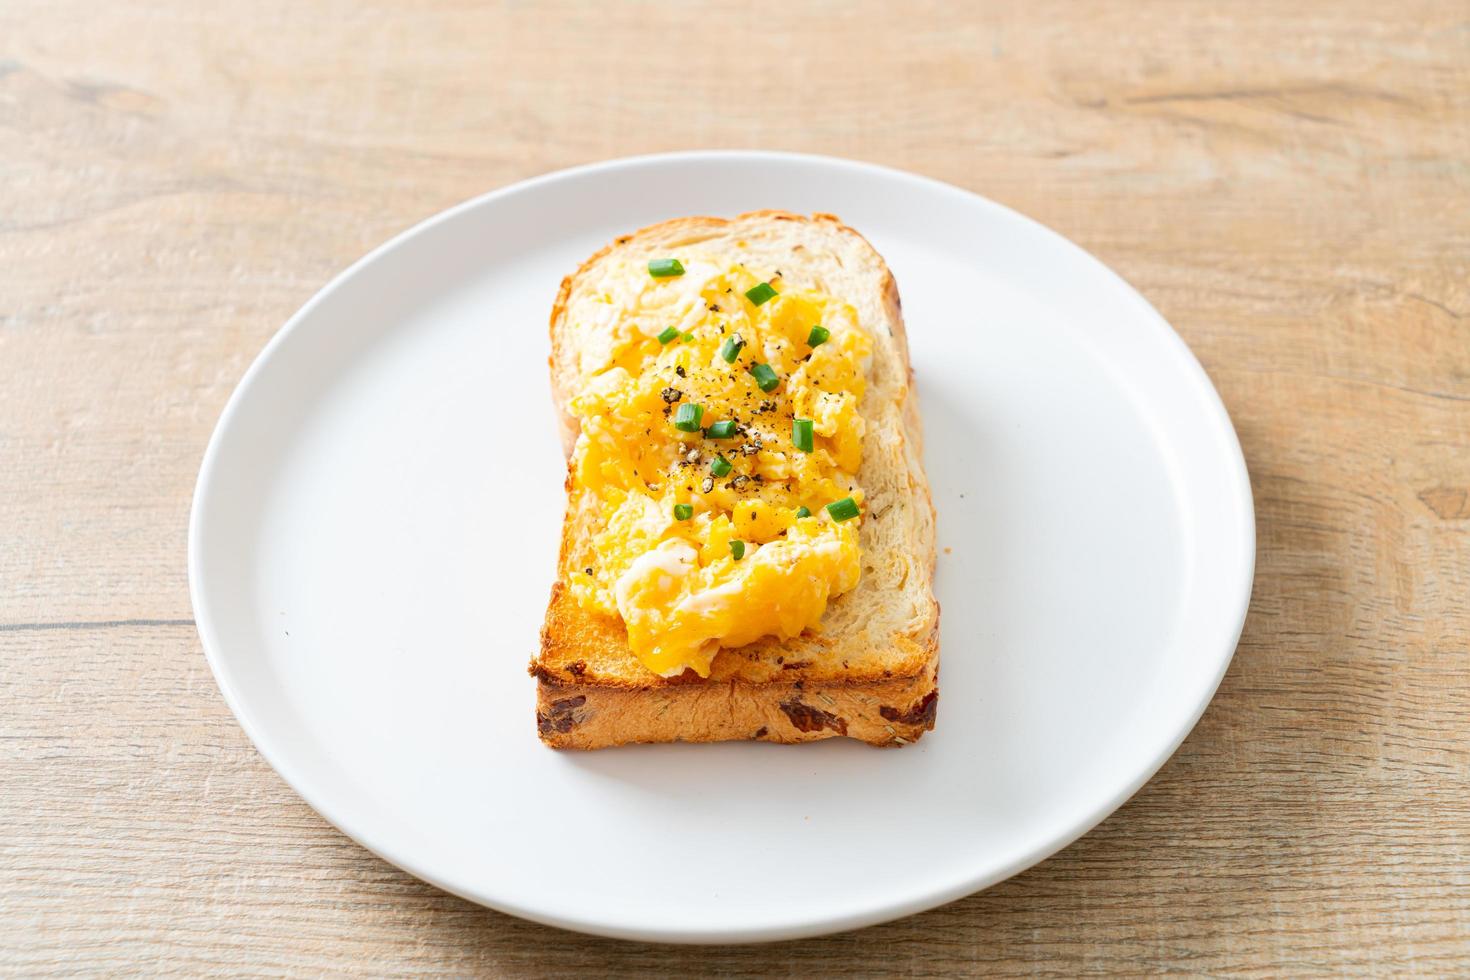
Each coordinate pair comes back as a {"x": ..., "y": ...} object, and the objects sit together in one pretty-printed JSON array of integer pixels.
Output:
[{"x": 820, "y": 924}]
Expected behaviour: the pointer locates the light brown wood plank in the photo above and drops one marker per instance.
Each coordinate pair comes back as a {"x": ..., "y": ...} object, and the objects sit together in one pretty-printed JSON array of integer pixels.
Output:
[{"x": 1286, "y": 182}]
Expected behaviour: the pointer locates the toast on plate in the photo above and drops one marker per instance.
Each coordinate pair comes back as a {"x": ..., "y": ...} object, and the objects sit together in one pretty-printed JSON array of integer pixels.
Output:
[{"x": 748, "y": 549}]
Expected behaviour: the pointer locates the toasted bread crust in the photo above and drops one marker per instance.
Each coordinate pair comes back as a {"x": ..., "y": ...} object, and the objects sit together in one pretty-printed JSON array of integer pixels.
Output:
[
  {"x": 889, "y": 712},
  {"x": 844, "y": 681}
]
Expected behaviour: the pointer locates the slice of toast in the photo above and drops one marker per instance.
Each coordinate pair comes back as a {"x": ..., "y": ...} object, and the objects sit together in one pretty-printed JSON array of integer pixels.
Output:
[{"x": 870, "y": 671}]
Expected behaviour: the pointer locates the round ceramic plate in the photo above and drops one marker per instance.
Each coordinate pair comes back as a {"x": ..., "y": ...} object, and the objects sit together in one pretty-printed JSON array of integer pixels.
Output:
[{"x": 375, "y": 530}]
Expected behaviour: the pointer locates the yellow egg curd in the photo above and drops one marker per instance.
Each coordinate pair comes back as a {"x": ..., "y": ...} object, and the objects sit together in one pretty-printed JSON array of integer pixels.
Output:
[{"x": 721, "y": 438}]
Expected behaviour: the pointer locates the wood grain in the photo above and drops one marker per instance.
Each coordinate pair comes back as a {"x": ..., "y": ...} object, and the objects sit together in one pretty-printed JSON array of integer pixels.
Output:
[{"x": 1288, "y": 183}]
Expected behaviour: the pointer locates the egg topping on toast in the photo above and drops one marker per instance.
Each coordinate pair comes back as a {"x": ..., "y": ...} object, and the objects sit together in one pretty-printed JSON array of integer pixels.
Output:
[{"x": 719, "y": 445}]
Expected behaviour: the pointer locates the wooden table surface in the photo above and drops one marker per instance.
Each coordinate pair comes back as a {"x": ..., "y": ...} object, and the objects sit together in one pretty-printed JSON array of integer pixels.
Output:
[{"x": 1288, "y": 183}]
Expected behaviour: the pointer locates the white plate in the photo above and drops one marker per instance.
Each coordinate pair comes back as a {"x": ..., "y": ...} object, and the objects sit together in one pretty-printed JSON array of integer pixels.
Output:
[{"x": 375, "y": 528}]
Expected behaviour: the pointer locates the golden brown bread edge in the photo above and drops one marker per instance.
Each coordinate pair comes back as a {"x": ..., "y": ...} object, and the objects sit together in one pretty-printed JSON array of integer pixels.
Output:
[{"x": 591, "y": 691}]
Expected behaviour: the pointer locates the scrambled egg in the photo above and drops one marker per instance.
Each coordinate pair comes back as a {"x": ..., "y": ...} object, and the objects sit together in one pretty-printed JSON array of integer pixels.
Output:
[{"x": 718, "y": 426}]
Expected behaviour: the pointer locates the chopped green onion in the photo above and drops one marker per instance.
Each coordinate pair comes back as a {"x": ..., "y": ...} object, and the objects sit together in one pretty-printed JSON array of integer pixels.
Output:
[
  {"x": 818, "y": 336},
  {"x": 761, "y": 293},
  {"x": 720, "y": 467},
  {"x": 843, "y": 510},
  {"x": 737, "y": 549},
  {"x": 664, "y": 268},
  {"x": 721, "y": 430},
  {"x": 668, "y": 335},
  {"x": 803, "y": 512},
  {"x": 689, "y": 336},
  {"x": 802, "y": 434},
  {"x": 765, "y": 376},
  {"x": 686, "y": 419},
  {"x": 682, "y": 512},
  {"x": 731, "y": 348}
]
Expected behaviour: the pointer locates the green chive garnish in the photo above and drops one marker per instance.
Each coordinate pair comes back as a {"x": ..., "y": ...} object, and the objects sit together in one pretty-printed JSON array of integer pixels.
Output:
[
  {"x": 765, "y": 377},
  {"x": 731, "y": 348},
  {"x": 803, "y": 512},
  {"x": 721, "y": 430},
  {"x": 720, "y": 467},
  {"x": 818, "y": 336},
  {"x": 668, "y": 335},
  {"x": 689, "y": 336},
  {"x": 737, "y": 549},
  {"x": 682, "y": 512},
  {"x": 664, "y": 268},
  {"x": 761, "y": 293},
  {"x": 843, "y": 510},
  {"x": 802, "y": 434},
  {"x": 686, "y": 419}
]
